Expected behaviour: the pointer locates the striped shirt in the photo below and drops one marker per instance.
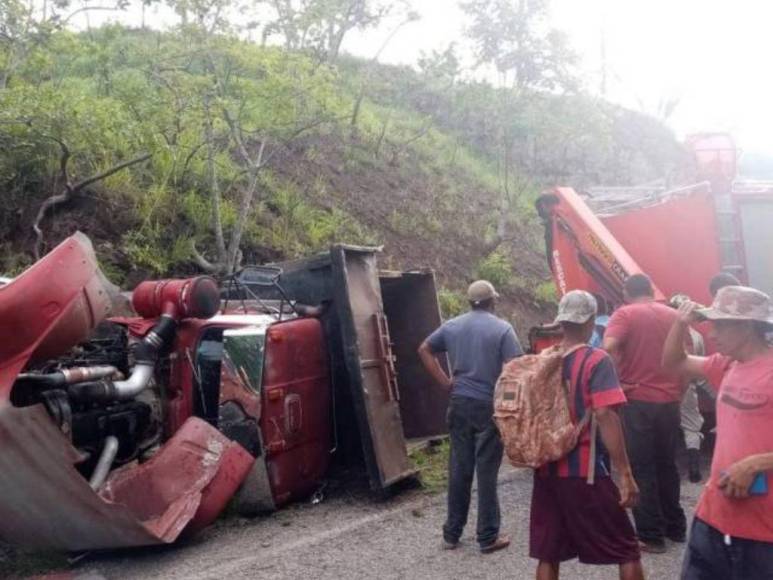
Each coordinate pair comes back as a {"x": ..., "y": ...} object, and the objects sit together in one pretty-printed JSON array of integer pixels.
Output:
[{"x": 598, "y": 387}]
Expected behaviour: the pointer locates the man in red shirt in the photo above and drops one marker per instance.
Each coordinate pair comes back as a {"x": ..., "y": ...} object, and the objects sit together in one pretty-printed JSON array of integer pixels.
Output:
[
  {"x": 651, "y": 419},
  {"x": 732, "y": 533}
]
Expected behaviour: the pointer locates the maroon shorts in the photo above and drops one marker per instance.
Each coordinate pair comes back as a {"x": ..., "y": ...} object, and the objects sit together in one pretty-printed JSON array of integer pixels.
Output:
[{"x": 571, "y": 519}]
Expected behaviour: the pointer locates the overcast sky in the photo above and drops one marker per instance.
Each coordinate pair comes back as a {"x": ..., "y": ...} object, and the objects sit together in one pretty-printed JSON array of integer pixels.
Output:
[
  {"x": 713, "y": 55},
  {"x": 710, "y": 54}
]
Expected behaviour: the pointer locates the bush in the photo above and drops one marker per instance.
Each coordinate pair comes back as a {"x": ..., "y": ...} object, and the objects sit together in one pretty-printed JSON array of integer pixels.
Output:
[
  {"x": 497, "y": 269},
  {"x": 451, "y": 303}
]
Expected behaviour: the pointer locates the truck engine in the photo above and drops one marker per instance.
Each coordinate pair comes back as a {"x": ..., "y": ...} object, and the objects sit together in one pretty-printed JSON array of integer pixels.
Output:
[{"x": 105, "y": 395}]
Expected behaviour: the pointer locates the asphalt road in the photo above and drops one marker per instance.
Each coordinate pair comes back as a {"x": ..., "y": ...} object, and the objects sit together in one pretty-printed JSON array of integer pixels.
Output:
[{"x": 354, "y": 537}]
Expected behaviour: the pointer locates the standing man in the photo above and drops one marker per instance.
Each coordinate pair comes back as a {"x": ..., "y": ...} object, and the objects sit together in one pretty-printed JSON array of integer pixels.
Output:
[
  {"x": 732, "y": 533},
  {"x": 478, "y": 343},
  {"x": 651, "y": 419},
  {"x": 692, "y": 420},
  {"x": 570, "y": 517}
]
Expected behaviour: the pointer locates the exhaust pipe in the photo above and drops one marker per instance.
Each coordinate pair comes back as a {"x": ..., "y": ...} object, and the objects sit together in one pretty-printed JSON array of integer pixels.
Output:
[
  {"x": 106, "y": 458},
  {"x": 146, "y": 354},
  {"x": 170, "y": 300},
  {"x": 70, "y": 376}
]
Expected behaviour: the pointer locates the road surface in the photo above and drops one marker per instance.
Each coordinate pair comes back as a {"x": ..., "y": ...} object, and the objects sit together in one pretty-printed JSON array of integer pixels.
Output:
[{"x": 355, "y": 537}]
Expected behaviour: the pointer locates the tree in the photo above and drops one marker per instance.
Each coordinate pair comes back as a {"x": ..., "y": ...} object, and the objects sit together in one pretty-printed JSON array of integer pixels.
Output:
[
  {"x": 25, "y": 26},
  {"x": 250, "y": 105},
  {"x": 320, "y": 26},
  {"x": 514, "y": 37}
]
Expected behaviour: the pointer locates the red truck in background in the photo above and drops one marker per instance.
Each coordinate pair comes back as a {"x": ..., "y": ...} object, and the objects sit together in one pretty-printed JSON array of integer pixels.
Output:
[
  {"x": 679, "y": 237},
  {"x": 133, "y": 430}
]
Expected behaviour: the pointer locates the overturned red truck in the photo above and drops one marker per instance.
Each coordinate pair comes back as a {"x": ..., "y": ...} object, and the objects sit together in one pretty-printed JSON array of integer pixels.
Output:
[
  {"x": 134, "y": 430},
  {"x": 679, "y": 237}
]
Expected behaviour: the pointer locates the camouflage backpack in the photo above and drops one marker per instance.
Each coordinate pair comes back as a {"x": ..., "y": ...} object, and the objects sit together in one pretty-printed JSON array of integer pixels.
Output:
[{"x": 531, "y": 410}]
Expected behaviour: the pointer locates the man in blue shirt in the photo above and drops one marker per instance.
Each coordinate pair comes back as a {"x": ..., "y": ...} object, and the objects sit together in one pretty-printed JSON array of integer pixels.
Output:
[{"x": 478, "y": 343}]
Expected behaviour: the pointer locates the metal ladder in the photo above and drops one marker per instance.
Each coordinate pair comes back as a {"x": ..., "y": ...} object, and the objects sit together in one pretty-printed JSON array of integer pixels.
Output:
[{"x": 731, "y": 249}]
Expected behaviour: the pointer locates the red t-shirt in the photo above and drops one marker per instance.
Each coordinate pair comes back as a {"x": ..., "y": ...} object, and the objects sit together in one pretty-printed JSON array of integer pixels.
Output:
[
  {"x": 744, "y": 428},
  {"x": 642, "y": 329}
]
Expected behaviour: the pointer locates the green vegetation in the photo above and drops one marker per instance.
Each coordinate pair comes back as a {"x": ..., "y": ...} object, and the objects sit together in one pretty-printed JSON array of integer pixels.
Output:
[
  {"x": 451, "y": 303},
  {"x": 497, "y": 269},
  {"x": 432, "y": 463},
  {"x": 244, "y": 153}
]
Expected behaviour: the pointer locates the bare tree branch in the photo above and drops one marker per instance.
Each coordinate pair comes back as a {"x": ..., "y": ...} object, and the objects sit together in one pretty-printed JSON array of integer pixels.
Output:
[
  {"x": 71, "y": 190},
  {"x": 108, "y": 172},
  {"x": 201, "y": 261}
]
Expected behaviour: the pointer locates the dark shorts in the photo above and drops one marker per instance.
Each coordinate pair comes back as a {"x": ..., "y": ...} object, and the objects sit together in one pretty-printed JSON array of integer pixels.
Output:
[
  {"x": 710, "y": 556},
  {"x": 571, "y": 519}
]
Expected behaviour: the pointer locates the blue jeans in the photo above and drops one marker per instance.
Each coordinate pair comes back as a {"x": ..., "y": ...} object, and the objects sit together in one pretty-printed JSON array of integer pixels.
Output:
[
  {"x": 475, "y": 447},
  {"x": 709, "y": 557}
]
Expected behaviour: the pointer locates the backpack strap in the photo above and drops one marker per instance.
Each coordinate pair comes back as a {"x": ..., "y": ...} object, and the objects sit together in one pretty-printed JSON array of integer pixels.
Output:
[{"x": 588, "y": 417}]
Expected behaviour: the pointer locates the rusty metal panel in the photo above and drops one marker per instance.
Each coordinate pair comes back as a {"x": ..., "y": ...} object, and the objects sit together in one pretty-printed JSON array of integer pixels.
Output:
[
  {"x": 46, "y": 503},
  {"x": 366, "y": 396},
  {"x": 413, "y": 312},
  {"x": 367, "y": 357}
]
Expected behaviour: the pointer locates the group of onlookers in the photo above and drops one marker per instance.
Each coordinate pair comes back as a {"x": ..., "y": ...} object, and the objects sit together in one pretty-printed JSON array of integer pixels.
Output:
[{"x": 641, "y": 387}]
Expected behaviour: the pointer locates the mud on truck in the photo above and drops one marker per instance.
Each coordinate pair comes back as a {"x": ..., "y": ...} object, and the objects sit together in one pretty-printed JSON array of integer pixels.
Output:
[{"x": 138, "y": 428}]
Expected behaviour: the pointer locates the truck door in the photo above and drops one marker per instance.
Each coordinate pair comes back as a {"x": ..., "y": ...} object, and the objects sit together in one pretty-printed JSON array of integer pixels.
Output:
[{"x": 370, "y": 364}]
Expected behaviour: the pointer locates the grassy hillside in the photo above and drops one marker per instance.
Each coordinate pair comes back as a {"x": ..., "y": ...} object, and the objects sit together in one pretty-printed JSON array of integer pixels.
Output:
[{"x": 418, "y": 168}]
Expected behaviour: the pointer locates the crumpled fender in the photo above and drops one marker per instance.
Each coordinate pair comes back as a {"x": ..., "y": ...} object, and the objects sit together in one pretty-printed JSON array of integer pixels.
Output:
[
  {"x": 51, "y": 306},
  {"x": 46, "y": 503}
]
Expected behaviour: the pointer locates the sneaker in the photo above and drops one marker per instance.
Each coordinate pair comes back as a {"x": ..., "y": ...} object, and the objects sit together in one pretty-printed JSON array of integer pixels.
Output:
[
  {"x": 499, "y": 544},
  {"x": 653, "y": 547}
]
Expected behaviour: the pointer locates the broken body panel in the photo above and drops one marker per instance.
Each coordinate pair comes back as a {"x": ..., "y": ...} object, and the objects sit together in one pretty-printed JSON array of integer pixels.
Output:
[
  {"x": 235, "y": 405},
  {"x": 46, "y": 502}
]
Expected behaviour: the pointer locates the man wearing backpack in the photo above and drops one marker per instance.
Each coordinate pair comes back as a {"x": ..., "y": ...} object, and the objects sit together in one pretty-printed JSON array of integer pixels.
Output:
[
  {"x": 634, "y": 338},
  {"x": 576, "y": 512},
  {"x": 478, "y": 344}
]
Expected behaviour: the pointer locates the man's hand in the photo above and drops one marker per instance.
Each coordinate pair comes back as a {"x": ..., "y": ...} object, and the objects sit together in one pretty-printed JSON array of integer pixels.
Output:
[
  {"x": 629, "y": 491},
  {"x": 737, "y": 479},
  {"x": 688, "y": 312}
]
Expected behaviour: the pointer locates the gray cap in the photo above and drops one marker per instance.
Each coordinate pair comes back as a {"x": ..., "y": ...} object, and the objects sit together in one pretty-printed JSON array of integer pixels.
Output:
[
  {"x": 480, "y": 291},
  {"x": 740, "y": 303},
  {"x": 577, "y": 306}
]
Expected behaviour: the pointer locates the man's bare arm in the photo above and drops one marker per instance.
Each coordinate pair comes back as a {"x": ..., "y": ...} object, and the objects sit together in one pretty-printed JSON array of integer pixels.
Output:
[
  {"x": 611, "y": 431},
  {"x": 431, "y": 363},
  {"x": 737, "y": 479},
  {"x": 675, "y": 358},
  {"x": 612, "y": 346}
]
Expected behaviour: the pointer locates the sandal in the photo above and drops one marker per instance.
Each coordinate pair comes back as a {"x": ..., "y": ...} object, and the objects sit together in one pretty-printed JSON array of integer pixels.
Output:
[{"x": 499, "y": 544}]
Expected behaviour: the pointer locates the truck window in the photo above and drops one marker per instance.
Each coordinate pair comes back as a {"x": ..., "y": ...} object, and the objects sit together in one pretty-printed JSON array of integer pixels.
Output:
[{"x": 244, "y": 350}]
